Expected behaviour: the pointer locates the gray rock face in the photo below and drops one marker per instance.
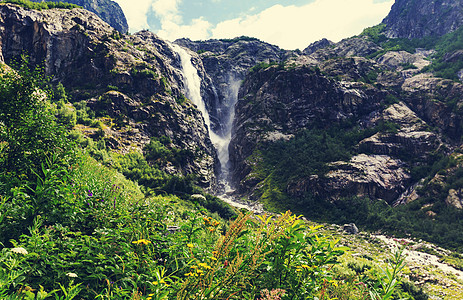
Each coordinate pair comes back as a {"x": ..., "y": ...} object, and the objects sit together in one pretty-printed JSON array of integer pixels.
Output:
[
  {"x": 420, "y": 18},
  {"x": 455, "y": 198},
  {"x": 374, "y": 176},
  {"x": 428, "y": 97},
  {"x": 278, "y": 101},
  {"x": 109, "y": 11},
  {"x": 82, "y": 52},
  {"x": 350, "y": 228},
  {"x": 357, "y": 46},
  {"x": 227, "y": 62},
  {"x": 338, "y": 83},
  {"x": 323, "y": 43},
  {"x": 412, "y": 134}
]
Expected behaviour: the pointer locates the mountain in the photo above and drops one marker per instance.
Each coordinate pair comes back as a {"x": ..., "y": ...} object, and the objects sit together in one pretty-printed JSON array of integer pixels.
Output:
[
  {"x": 342, "y": 131},
  {"x": 420, "y": 18},
  {"x": 135, "y": 80},
  {"x": 109, "y": 11}
]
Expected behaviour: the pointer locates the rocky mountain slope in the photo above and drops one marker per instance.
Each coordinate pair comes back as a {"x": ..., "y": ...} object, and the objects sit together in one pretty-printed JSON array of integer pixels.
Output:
[
  {"x": 370, "y": 117},
  {"x": 227, "y": 62},
  {"x": 420, "y": 18},
  {"x": 134, "y": 80},
  {"x": 333, "y": 85},
  {"x": 109, "y": 11}
]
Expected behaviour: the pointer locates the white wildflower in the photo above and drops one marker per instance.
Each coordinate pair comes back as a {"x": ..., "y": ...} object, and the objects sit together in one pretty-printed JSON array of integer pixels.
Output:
[
  {"x": 72, "y": 275},
  {"x": 19, "y": 250}
]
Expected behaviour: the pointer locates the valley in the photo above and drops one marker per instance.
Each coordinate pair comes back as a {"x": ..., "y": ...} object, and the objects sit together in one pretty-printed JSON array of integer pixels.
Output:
[{"x": 136, "y": 135}]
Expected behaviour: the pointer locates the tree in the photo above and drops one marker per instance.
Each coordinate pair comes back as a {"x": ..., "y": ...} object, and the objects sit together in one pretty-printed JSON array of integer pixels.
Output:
[{"x": 29, "y": 132}]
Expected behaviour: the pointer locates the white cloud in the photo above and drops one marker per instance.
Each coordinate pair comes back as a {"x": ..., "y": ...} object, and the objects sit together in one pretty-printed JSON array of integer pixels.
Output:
[
  {"x": 292, "y": 27},
  {"x": 198, "y": 29},
  {"x": 289, "y": 27},
  {"x": 135, "y": 11},
  {"x": 167, "y": 10}
]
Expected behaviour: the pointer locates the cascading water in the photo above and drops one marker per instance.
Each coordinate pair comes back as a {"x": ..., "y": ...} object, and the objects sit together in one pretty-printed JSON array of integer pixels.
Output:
[
  {"x": 193, "y": 92},
  {"x": 222, "y": 141}
]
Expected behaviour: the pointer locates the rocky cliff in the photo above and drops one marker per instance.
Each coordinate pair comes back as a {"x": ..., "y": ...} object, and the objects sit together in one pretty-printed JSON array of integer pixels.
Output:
[
  {"x": 109, "y": 11},
  {"x": 135, "y": 80},
  {"x": 227, "y": 62},
  {"x": 420, "y": 18},
  {"x": 356, "y": 81},
  {"x": 400, "y": 117}
]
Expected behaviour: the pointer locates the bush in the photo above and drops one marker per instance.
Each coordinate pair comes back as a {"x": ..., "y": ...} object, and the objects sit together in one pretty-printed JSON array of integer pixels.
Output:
[{"x": 28, "y": 128}]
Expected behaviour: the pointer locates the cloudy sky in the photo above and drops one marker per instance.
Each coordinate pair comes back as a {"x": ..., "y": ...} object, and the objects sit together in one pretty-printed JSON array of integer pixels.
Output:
[{"x": 289, "y": 24}]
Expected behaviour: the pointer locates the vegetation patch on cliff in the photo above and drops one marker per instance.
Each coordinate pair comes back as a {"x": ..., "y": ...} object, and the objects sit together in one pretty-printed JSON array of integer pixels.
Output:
[{"x": 42, "y": 5}]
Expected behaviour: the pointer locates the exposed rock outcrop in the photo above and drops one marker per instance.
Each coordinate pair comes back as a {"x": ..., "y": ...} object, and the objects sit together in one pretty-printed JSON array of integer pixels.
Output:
[
  {"x": 420, "y": 18},
  {"x": 411, "y": 136},
  {"x": 82, "y": 52},
  {"x": 227, "y": 62},
  {"x": 286, "y": 99},
  {"x": 109, "y": 11},
  {"x": 455, "y": 198},
  {"x": 323, "y": 43}
]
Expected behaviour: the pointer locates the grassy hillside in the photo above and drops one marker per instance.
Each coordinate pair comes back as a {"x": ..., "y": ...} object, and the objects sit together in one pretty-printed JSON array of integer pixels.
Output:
[{"x": 73, "y": 228}]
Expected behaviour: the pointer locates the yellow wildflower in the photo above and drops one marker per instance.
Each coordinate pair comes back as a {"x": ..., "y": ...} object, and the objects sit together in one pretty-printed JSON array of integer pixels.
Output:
[
  {"x": 204, "y": 265},
  {"x": 189, "y": 245},
  {"x": 142, "y": 241},
  {"x": 305, "y": 266}
]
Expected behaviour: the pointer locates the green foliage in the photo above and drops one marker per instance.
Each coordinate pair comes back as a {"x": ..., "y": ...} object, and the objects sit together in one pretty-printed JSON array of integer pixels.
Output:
[
  {"x": 408, "y": 66},
  {"x": 181, "y": 99},
  {"x": 375, "y": 33},
  {"x": 84, "y": 114},
  {"x": 445, "y": 46},
  {"x": 277, "y": 164},
  {"x": 160, "y": 151},
  {"x": 241, "y": 38},
  {"x": 28, "y": 129},
  {"x": 42, "y": 5},
  {"x": 262, "y": 66}
]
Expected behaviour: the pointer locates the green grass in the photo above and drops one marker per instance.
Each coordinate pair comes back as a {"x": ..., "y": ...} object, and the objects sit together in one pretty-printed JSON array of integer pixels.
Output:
[
  {"x": 73, "y": 228},
  {"x": 42, "y": 5}
]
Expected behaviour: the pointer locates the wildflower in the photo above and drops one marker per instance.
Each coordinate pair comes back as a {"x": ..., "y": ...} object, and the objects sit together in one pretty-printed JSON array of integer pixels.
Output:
[
  {"x": 204, "y": 265},
  {"x": 90, "y": 194},
  {"x": 142, "y": 241},
  {"x": 189, "y": 245},
  {"x": 19, "y": 250},
  {"x": 71, "y": 275},
  {"x": 305, "y": 266},
  {"x": 213, "y": 258}
]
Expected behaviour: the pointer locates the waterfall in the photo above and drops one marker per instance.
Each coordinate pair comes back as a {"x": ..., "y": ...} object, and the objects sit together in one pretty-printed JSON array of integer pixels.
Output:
[{"x": 193, "y": 92}]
